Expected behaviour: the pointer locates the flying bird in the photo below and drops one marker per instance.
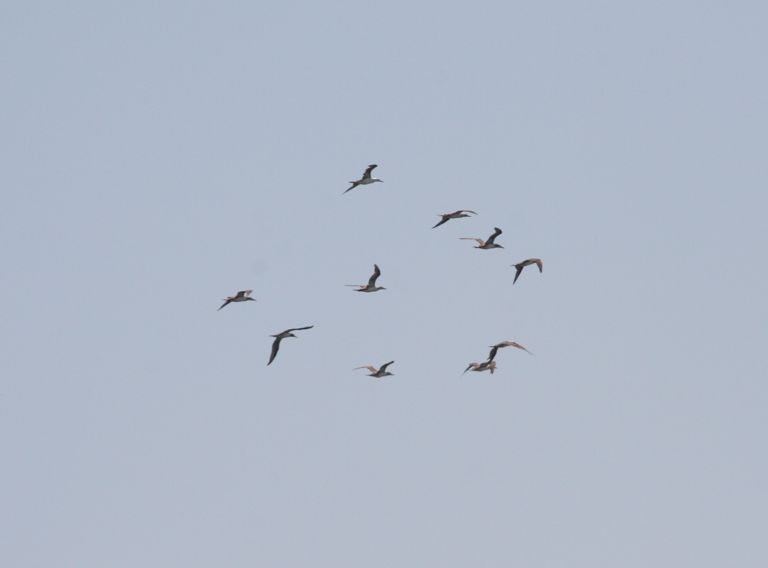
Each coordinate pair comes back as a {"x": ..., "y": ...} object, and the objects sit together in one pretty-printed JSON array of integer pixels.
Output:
[
  {"x": 489, "y": 244},
  {"x": 480, "y": 367},
  {"x": 520, "y": 265},
  {"x": 366, "y": 179},
  {"x": 501, "y": 345},
  {"x": 371, "y": 286},
  {"x": 241, "y": 296},
  {"x": 374, "y": 372},
  {"x": 455, "y": 215},
  {"x": 282, "y": 335}
]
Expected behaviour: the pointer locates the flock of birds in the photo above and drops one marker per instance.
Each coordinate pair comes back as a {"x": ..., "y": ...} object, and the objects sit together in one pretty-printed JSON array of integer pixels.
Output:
[{"x": 490, "y": 243}]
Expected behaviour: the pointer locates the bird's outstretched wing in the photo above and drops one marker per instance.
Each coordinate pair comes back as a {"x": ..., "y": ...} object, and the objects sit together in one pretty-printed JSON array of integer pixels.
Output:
[
  {"x": 441, "y": 221},
  {"x": 374, "y": 276},
  {"x": 275, "y": 348},
  {"x": 298, "y": 328},
  {"x": 496, "y": 233},
  {"x": 368, "y": 170},
  {"x": 511, "y": 344}
]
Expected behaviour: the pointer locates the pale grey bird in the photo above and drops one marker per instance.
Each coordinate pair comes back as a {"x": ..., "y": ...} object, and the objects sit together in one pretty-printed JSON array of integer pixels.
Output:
[
  {"x": 374, "y": 372},
  {"x": 282, "y": 335},
  {"x": 489, "y": 244},
  {"x": 371, "y": 286},
  {"x": 455, "y": 215},
  {"x": 241, "y": 296},
  {"x": 520, "y": 265},
  {"x": 366, "y": 179}
]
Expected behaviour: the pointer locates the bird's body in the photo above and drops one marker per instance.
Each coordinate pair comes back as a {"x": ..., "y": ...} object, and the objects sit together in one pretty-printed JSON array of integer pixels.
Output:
[
  {"x": 487, "y": 244},
  {"x": 520, "y": 265},
  {"x": 371, "y": 286},
  {"x": 489, "y": 365},
  {"x": 365, "y": 179},
  {"x": 445, "y": 217},
  {"x": 280, "y": 336},
  {"x": 241, "y": 296},
  {"x": 378, "y": 373}
]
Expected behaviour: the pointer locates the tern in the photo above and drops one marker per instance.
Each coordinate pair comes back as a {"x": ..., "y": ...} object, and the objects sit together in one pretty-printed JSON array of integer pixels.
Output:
[
  {"x": 489, "y": 244},
  {"x": 280, "y": 336},
  {"x": 520, "y": 265},
  {"x": 374, "y": 372},
  {"x": 366, "y": 179},
  {"x": 489, "y": 365},
  {"x": 455, "y": 215},
  {"x": 241, "y": 296},
  {"x": 371, "y": 286},
  {"x": 501, "y": 345}
]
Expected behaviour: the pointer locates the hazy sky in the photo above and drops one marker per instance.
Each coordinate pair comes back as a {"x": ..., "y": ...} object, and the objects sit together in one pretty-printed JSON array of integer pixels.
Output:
[{"x": 158, "y": 156}]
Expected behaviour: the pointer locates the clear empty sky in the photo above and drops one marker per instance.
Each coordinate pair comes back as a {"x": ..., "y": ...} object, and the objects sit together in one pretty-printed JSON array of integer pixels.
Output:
[{"x": 158, "y": 156}]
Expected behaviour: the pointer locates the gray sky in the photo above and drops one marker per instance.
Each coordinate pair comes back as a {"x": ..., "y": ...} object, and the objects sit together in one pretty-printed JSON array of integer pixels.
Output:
[{"x": 160, "y": 156}]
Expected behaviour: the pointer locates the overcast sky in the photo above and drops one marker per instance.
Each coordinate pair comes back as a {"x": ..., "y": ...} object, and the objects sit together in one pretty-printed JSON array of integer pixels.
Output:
[{"x": 159, "y": 156}]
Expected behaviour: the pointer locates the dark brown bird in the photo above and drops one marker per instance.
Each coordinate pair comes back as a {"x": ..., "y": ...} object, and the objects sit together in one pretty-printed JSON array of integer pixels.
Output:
[
  {"x": 489, "y": 244},
  {"x": 366, "y": 179},
  {"x": 374, "y": 372},
  {"x": 280, "y": 336},
  {"x": 371, "y": 286},
  {"x": 241, "y": 296},
  {"x": 455, "y": 215},
  {"x": 520, "y": 265}
]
